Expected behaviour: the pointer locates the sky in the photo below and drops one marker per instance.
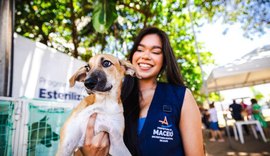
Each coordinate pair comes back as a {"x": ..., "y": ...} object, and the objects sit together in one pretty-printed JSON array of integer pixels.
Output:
[
  {"x": 232, "y": 45},
  {"x": 228, "y": 47}
]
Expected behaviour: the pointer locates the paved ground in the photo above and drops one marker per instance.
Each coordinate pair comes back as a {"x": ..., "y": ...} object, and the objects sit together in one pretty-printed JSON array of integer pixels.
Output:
[{"x": 251, "y": 147}]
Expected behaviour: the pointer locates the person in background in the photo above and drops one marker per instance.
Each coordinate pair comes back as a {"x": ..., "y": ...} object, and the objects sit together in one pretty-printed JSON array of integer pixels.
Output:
[
  {"x": 236, "y": 110},
  {"x": 214, "y": 128},
  {"x": 205, "y": 117},
  {"x": 160, "y": 118},
  {"x": 257, "y": 115},
  {"x": 244, "y": 112},
  {"x": 247, "y": 110},
  {"x": 205, "y": 122}
]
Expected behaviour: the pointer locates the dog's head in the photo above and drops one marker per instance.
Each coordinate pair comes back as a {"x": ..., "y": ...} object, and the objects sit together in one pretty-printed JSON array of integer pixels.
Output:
[{"x": 102, "y": 73}]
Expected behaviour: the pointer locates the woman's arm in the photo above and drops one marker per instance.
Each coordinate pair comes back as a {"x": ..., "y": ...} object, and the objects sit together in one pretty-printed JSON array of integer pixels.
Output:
[
  {"x": 97, "y": 145},
  {"x": 191, "y": 127}
]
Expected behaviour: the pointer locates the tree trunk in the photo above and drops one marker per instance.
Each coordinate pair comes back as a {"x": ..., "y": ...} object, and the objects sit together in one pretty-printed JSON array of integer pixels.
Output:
[
  {"x": 6, "y": 47},
  {"x": 74, "y": 31}
]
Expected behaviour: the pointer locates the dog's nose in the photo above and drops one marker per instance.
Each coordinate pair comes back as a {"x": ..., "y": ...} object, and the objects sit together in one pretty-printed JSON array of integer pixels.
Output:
[{"x": 90, "y": 83}]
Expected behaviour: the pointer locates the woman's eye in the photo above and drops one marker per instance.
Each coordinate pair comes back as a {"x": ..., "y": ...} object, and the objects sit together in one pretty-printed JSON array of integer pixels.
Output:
[
  {"x": 156, "y": 52},
  {"x": 106, "y": 63},
  {"x": 139, "y": 50}
]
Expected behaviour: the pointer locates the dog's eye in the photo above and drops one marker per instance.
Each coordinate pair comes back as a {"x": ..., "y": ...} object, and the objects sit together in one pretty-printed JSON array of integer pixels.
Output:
[
  {"x": 87, "y": 67},
  {"x": 106, "y": 63}
]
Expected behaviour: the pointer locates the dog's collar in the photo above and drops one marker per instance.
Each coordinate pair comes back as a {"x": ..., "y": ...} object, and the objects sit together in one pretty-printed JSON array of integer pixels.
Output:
[{"x": 87, "y": 67}]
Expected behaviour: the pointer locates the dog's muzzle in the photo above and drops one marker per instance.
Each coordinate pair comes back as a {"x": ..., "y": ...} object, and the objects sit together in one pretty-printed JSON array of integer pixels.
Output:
[
  {"x": 90, "y": 83},
  {"x": 97, "y": 81}
]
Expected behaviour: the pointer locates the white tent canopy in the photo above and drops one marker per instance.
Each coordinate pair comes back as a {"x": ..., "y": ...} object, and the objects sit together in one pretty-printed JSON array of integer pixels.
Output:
[{"x": 251, "y": 69}]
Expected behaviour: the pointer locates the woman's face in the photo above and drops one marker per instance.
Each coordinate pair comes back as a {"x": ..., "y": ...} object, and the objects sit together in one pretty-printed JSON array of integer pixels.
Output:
[{"x": 148, "y": 58}]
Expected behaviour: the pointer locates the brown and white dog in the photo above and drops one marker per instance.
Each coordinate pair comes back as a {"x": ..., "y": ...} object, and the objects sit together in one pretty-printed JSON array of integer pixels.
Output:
[{"x": 102, "y": 78}]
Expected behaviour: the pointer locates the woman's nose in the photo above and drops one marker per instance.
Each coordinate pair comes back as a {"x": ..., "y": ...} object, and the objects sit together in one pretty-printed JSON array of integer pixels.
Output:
[{"x": 146, "y": 55}]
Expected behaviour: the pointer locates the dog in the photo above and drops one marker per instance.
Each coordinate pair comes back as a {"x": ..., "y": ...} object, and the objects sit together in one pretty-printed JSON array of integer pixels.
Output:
[{"x": 102, "y": 78}]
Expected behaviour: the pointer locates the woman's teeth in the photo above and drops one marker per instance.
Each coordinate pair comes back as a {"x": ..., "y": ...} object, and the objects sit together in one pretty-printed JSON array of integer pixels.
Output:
[{"x": 144, "y": 65}]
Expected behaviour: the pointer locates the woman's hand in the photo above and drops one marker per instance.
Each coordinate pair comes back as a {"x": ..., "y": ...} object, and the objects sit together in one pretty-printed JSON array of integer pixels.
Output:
[{"x": 95, "y": 145}]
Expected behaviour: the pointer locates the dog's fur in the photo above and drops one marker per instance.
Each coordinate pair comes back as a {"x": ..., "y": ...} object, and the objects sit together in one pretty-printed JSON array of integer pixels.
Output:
[{"x": 103, "y": 81}]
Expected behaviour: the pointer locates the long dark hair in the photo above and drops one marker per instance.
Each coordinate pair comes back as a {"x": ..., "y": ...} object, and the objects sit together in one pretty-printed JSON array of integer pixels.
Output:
[{"x": 130, "y": 90}]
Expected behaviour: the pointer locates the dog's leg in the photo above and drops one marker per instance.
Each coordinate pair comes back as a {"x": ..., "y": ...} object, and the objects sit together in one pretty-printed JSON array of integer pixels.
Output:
[
  {"x": 115, "y": 130},
  {"x": 70, "y": 137},
  {"x": 118, "y": 146},
  {"x": 71, "y": 140}
]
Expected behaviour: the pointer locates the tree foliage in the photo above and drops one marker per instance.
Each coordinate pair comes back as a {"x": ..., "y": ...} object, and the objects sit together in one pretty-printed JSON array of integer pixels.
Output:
[
  {"x": 82, "y": 28},
  {"x": 104, "y": 15},
  {"x": 254, "y": 15}
]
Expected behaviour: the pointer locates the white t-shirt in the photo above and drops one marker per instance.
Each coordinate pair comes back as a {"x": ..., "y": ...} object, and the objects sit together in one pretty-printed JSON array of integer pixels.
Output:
[{"x": 213, "y": 115}]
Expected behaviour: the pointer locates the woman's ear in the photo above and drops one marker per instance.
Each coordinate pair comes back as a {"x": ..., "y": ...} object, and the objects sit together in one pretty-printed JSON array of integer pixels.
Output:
[
  {"x": 129, "y": 68},
  {"x": 78, "y": 76}
]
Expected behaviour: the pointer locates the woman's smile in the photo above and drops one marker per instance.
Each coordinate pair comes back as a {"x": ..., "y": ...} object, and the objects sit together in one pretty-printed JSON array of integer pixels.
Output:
[{"x": 145, "y": 66}]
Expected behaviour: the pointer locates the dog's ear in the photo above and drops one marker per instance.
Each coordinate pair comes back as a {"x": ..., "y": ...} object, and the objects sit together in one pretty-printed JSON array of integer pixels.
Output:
[
  {"x": 129, "y": 68},
  {"x": 78, "y": 76}
]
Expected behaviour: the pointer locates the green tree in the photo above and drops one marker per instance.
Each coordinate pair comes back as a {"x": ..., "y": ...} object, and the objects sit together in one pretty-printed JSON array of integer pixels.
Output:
[
  {"x": 73, "y": 25},
  {"x": 257, "y": 94},
  {"x": 82, "y": 28}
]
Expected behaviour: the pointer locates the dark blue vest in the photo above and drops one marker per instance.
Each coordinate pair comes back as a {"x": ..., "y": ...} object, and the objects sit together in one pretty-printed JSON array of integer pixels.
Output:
[{"x": 160, "y": 134}]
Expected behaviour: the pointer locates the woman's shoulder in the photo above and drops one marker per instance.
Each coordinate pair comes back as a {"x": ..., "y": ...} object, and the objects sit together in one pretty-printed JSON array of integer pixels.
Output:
[
  {"x": 174, "y": 90},
  {"x": 256, "y": 106}
]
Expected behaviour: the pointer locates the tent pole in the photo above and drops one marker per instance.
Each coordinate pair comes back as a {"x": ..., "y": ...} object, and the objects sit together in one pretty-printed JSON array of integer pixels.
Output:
[
  {"x": 198, "y": 54},
  {"x": 200, "y": 64},
  {"x": 226, "y": 124}
]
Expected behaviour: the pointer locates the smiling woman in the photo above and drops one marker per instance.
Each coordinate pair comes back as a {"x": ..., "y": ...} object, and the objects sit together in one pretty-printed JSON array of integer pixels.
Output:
[{"x": 159, "y": 114}]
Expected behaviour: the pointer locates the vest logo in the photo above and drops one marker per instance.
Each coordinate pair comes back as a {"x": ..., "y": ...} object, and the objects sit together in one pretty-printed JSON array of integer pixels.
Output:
[
  {"x": 163, "y": 132},
  {"x": 165, "y": 123}
]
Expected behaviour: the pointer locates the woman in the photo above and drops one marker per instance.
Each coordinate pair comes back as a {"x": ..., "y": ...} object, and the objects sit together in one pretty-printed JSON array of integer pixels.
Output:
[
  {"x": 257, "y": 114},
  {"x": 160, "y": 118}
]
